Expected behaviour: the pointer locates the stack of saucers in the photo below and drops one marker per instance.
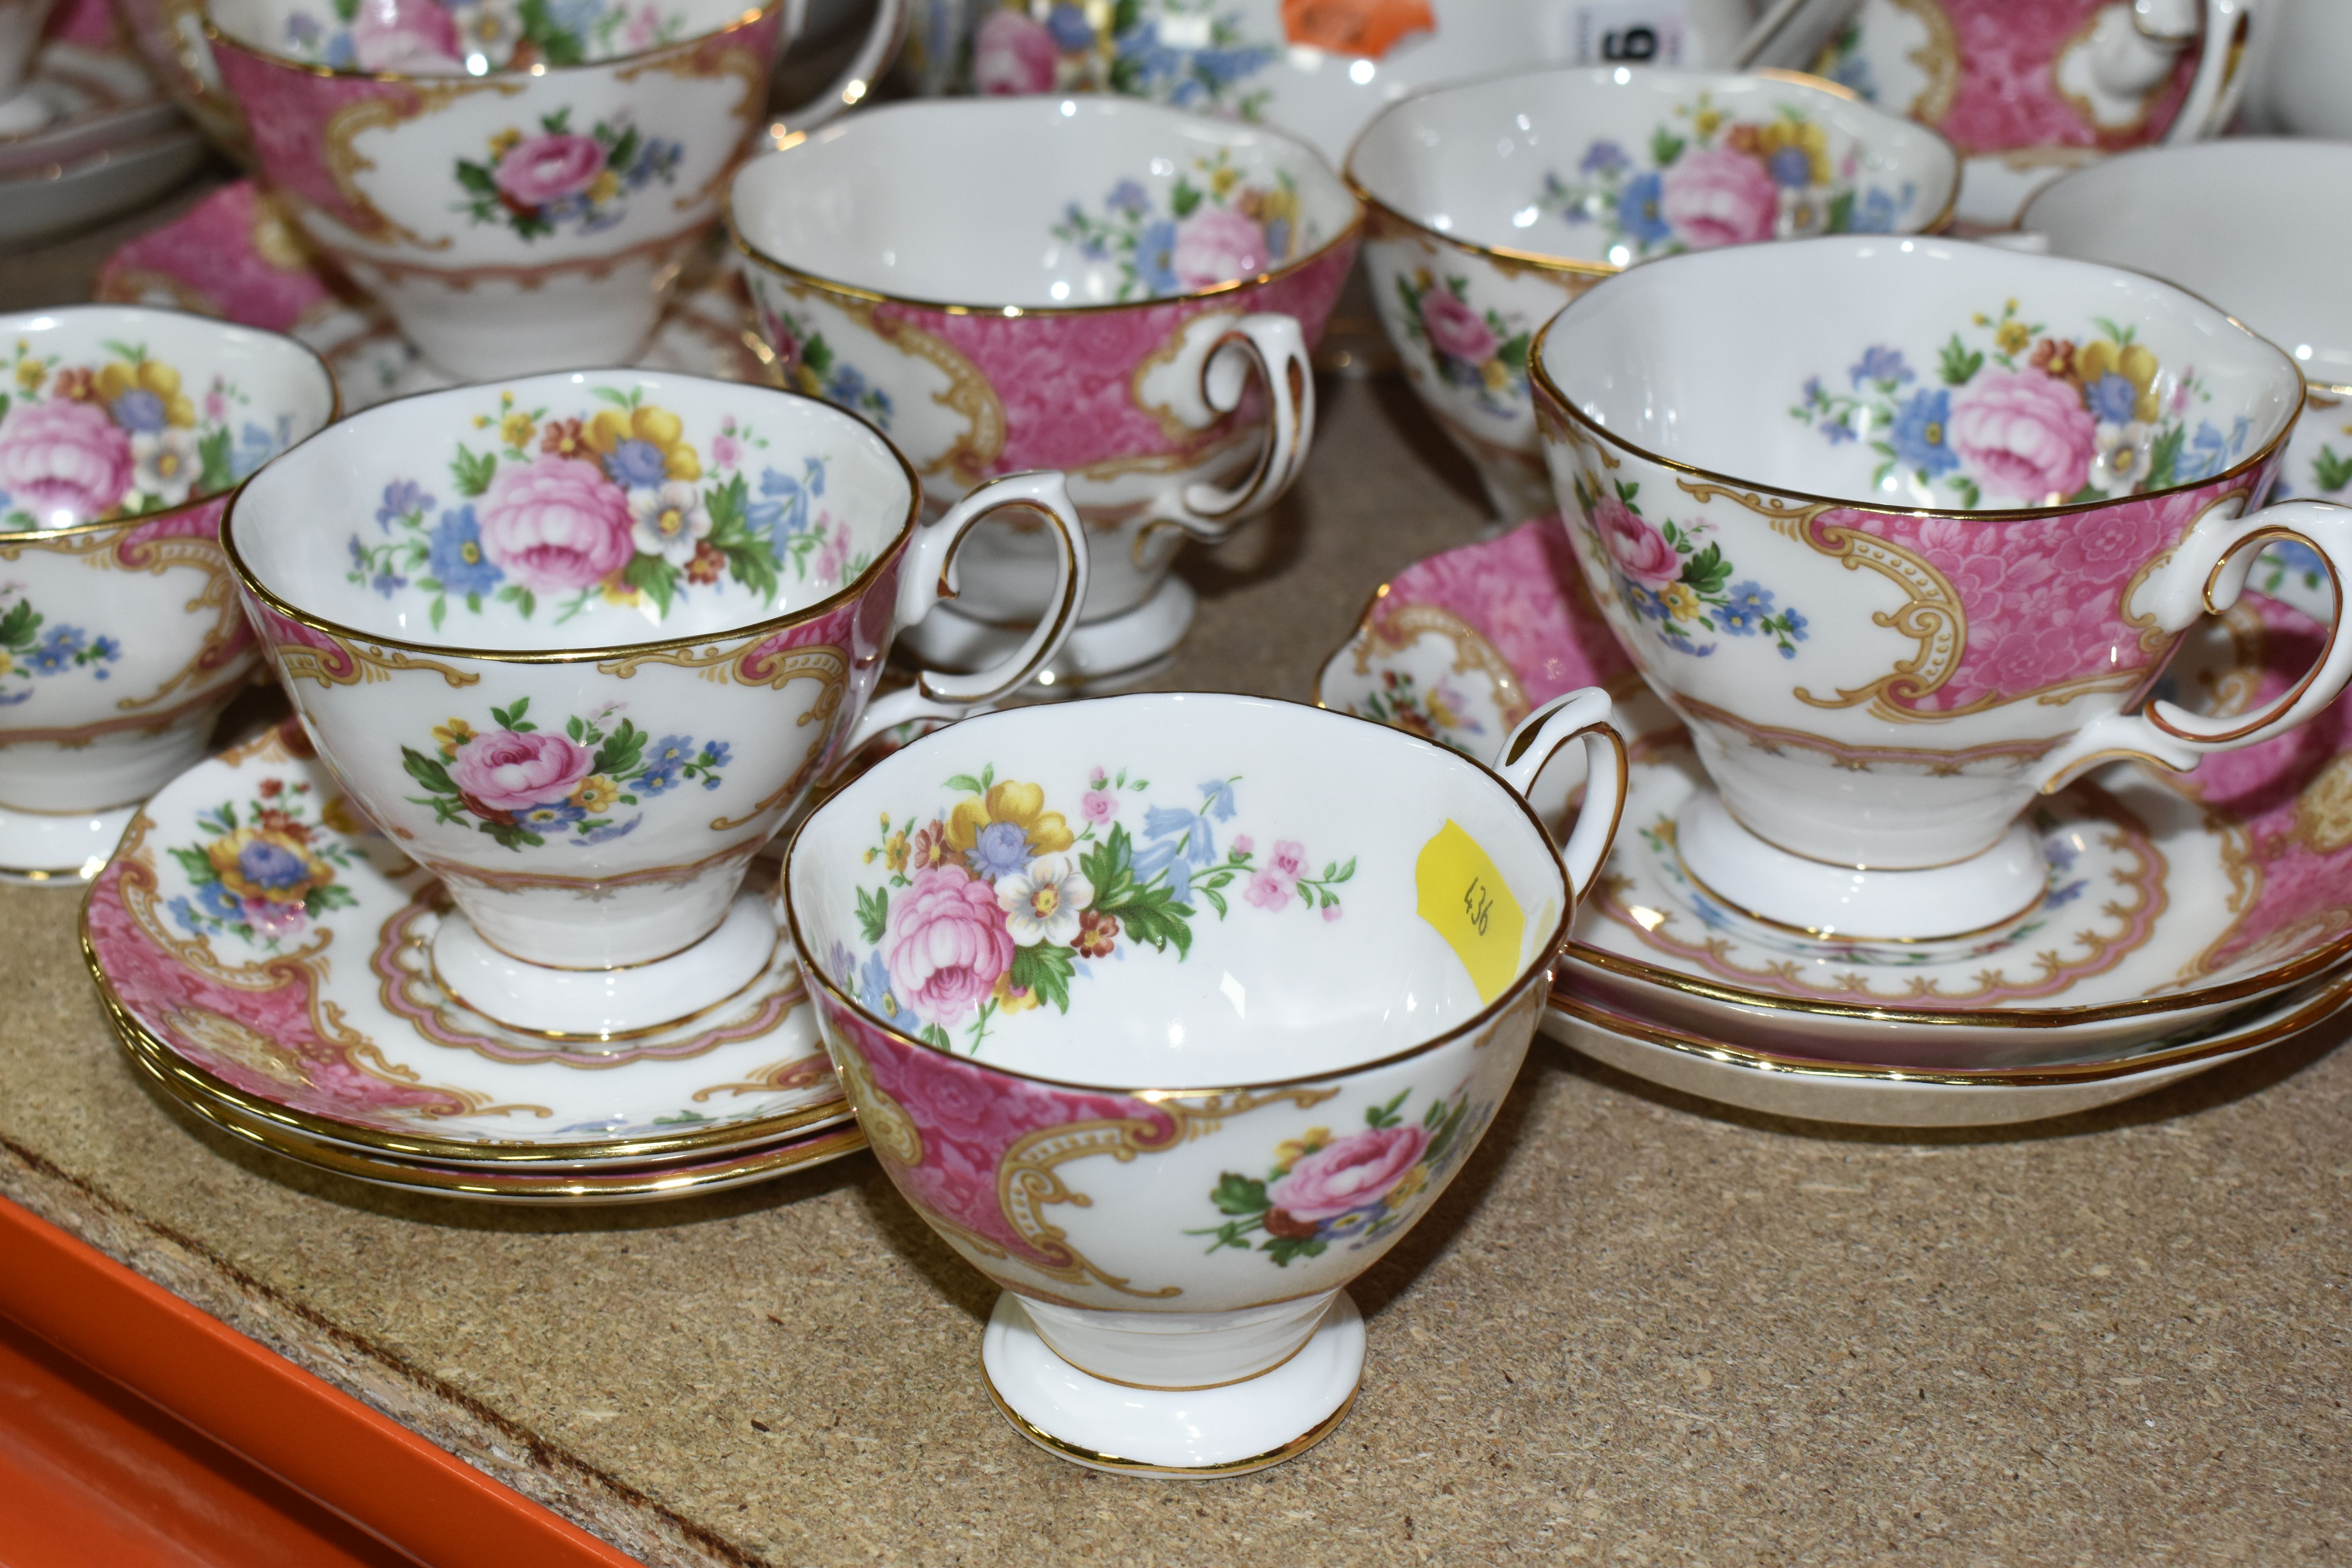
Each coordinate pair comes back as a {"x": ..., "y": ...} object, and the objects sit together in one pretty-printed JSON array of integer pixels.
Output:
[
  {"x": 1890, "y": 856},
  {"x": 266, "y": 956}
]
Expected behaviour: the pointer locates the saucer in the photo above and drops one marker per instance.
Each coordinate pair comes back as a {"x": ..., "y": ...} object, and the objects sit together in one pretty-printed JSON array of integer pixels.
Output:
[
  {"x": 1100, "y": 655},
  {"x": 257, "y": 937},
  {"x": 92, "y": 133},
  {"x": 2199, "y": 892},
  {"x": 1812, "y": 1089},
  {"x": 234, "y": 256}
]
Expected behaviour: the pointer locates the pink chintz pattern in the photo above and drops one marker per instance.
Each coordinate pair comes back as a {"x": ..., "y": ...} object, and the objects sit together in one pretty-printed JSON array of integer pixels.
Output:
[
  {"x": 1524, "y": 594},
  {"x": 288, "y": 108},
  {"x": 2009, "y": 94},
  {"x": 2044, "y": 595}
]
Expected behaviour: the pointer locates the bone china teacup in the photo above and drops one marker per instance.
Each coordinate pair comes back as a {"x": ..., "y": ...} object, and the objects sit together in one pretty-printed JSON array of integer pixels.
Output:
[
  {"x": 1905, "y": 529},
  {"x": 579, "y": 642},
  {"x": 1086, "y": 284},
  {"x": 519, "y": 191},
  {"x": 1171, "y": 1013},
  {"x": 1495, "y": 202},
  {"x": 122, "y": 432}
]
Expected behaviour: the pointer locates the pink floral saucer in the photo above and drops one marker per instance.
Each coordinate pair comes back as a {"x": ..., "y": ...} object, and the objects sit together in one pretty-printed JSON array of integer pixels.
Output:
[
  {"x": 234, "y": 256},
  {"x": 2179, "y": 902},
  {"x": 259, "y": 947}
]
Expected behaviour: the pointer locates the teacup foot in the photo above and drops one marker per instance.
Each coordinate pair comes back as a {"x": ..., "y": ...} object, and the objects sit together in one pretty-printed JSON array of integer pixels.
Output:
[
  {"x": 1768, "y": 883},
  {"x": 1193, "y": 1434},
  {"x": 58, "y": 849},
  {"x": 1101, "y": 656},
  {"x": 606, "y": 1004}
]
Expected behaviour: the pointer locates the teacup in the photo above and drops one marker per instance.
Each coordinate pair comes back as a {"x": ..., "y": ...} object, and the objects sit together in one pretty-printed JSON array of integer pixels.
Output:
[
  {"x": 580, "y": 642},
  {"x": 1904, "y": 529},
  {"x": 1171, "y": 1013},
  {"x": 2296, "y": 66},
  {"x": 20, "y": 40},
  {"x": 2128, "y": 211},
  {"x": 520, "y": 196},
  {"x": 1494, "y": 201},
  {"x": 1112, "y": 288},
  {"x": 121, "y": 432},
  {"x": 1317, "y": 71},
  {"x": 2028, "y": 92}
]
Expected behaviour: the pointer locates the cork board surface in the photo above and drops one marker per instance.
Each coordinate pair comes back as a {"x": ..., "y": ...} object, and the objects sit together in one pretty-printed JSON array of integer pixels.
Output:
[{"x": 1637, "y": 1329}]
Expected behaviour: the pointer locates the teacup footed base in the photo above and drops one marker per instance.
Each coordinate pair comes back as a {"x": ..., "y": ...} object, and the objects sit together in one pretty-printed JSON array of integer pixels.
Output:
[
  {"x": 1198, "y": 1433},
  {"x": 64, "y": 849},
  {"x": 1842, "y": 903},
  {"x": 1100, "y": 655},
  {"x": 616, "y": 1005}
]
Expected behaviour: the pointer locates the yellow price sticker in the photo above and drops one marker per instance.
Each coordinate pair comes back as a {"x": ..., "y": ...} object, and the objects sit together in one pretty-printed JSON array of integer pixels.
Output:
[{"x": 1466, "y": 899}]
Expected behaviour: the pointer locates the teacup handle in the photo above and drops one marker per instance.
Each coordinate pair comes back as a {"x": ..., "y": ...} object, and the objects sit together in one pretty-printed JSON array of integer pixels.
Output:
[
  {"x": 1270, "y": 346},
  {"x": 856, "y": 83},
  {"x": 2206, "y": 574},
  {"x": 1584, "y": 716},
  {"x": 2220, "y": 78},
  {"x": 928, "y": 576}
]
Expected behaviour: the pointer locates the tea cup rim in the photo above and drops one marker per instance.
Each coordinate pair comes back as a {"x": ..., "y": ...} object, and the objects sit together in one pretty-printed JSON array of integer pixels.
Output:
[
  {"x": 217, "y": 35},
  {"x": 849, "y": 593},
  {"x": 1547, "y": 261},
  {"x": 753, "y": 254},
  {"x": 1549, "y": 953},
  {"x": 228, "y": 498},
  {"x": 1547, "y": 390}
]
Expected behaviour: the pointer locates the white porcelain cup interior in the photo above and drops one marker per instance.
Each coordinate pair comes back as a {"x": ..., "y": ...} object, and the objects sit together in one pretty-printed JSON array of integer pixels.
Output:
[
  {"x": 1040, "y": 195},
  {"x": 424, "y": 38}
]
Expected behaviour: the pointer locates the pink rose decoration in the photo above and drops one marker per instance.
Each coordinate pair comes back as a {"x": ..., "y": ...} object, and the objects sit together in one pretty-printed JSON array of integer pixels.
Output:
[
  {"x": 548, "y": 168},
  {"x": 1268, "y": 890},
  {"x": 405, "y": 35},
  {"x": 1453, "y": 327},
  {"x": 1640, "y": 551},
  {"x": 1350, "y": 1174},
  {"x": 63, "y": 462},
  {"x": 2027, "y": 435},
  {"x": 947, "y": 945},
  {"x": 1715, "y": 197},
  {"x": 1216, "y": 244},
  {"x": 507, "y": 770},
  {"x": 1289, "y": 860},
  {"x": 1099, "y": 805},
  {"x": 1011, "y": 53},
  {"x": 556, "y": 523}
]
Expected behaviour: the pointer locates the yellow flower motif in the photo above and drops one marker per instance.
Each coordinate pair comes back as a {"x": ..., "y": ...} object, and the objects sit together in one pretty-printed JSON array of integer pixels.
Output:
[
  {"x": 656, "y": 427},
  {"x": 1805, "y": 136},
  {"x": 518, "y": 429},
  {"x": 1407, "y": 1187},
  {"x": 1706, "y": 121},
  {"x": 1010, "y": 998},
  {"x": 615, "y": 592},
  {"x": 30, "y": 374},
  {"x": 340, "y": 815},
  {"x": 2014, "y": 338},
  {"x": 148, "y": 376},
  {"x": 1495, "y": 374},
  {"x": 278, "y": 852},
  {"x": 1290, "y": 1150},
  {"x": 7, "y": 662},
  {"x": 595, "y": 793},
  {"x": 1221, "y": 180},
  {"x": 505, "y": 141},
  {"x": 2133, "y": 362},
  {"x": 893, "y": 850},
  {"x": 1023, "y": 805},
  {"x": 1680, "y": 601},
  {"x": 451, "y": 736},
  {"x": 605, "y": 187}
]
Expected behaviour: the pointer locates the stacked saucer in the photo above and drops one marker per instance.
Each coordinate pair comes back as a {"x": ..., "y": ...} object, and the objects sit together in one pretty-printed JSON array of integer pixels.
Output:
[
  {"x": 2191, "y": 918},
  {"x": 266, "y": 956}
]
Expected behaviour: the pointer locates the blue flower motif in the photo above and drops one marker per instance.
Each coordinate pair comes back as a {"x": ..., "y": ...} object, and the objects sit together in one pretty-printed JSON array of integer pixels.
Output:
[
  {"x": 303, "y": 31},
  {"x": 607, "y": 832},
  {"x": 1277, "y": 237},
  {"x": 1837, "y": 432},
  {"x": 57, "y": 649},
  {"x": 1876, "y": 212},
  {"x": 387, "y": 582},
  {"x": 1155, "y": 252},
  {"x": 1127, "y": 196},
  {"x": 1637, "y": 210},
  {"x": 1752, "y": 596},
  {"x": 1070, "y": 30},
  {"x": 1882, "y": 363},
  {"x": 1000, "y": 850},
  {"x": 1920, "y": 435},
  {"x": 1738, "y": 621},
  {"x": 671, "y": 752},
  {"x": 847, "y": 387},
  {"x": 104, "y": 647},
  {"x": 549, "y": 813},
  {"x": 1603, "y": 157},
  {"x": 185, "y": 914},
  {"x": 268, "y": 864},
  {"x": 2293, "y": 558},
  {"x": 2111, "y": 398},
  {"x": 874, "y": 988},
  {"x": 402, "y": 497},
  {"x": 342, "y": 53},
  {"x": 138, "y": 410},
  {"x": 1179, "y": 841},
  {"x": 637, "y": 465},
  {"x": 456, "y": 560},
  {"x": 1218, "y": 798},
  {"x": 658, "y": 781},
  {"x": 2059, "y": 897},
  {"x": 257, "y": 443},
  {"x": 1222, "y": 68},
  {"x": 715, "y": 753},
  {"x": 1641, "y": 600},
  {"x": 2208, "y": 451},
  {"x": 786, "y": 511},
  {"x": 1792, "y": 167},
  {"x": 1794, "y": 622}
]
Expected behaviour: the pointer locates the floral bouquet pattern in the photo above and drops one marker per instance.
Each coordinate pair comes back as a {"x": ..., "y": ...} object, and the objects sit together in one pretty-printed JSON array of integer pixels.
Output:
[
  {"x": 1476, "y": 351},
  {"x": 263, "y": 873},
  {"x": 554, "y": 177},
  {"x": 611, "y": 505},
  {"x": 521, "y": 784},
  {"x": 1673, "y": 576},
  {"x": 1180, "y": 52},
  {"x": 1353, "y": 1188},
  {"x": 1711, "y": 181},
  {"x": 28, "y": 653},
  {"x": 91, "y": 443},
  {"x": 1216, "y": 230},
  {"x": 2014, "y": 416},
  {"x": 808, "y": 364},
  {"x": 427, "y": 38},
  {"x": 995, "y": 906}
]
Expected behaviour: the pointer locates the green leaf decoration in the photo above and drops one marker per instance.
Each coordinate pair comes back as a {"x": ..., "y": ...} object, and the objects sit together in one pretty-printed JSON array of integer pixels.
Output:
[
  {"x": 1958, "y": 363},
  {"x": 428, "y": 770},
  {"x": 1239, "y": 1194},
  {"x": 472, "y": 473},
  {"x": 622, "y": 750},
  {"x": 873, "y": 913},
  {"x": 654, "y": 577},
  {"x": 2330, "y": 472},
  {"x": 1046, "y": 970},
  {"x": 1841, "y": 214}
]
